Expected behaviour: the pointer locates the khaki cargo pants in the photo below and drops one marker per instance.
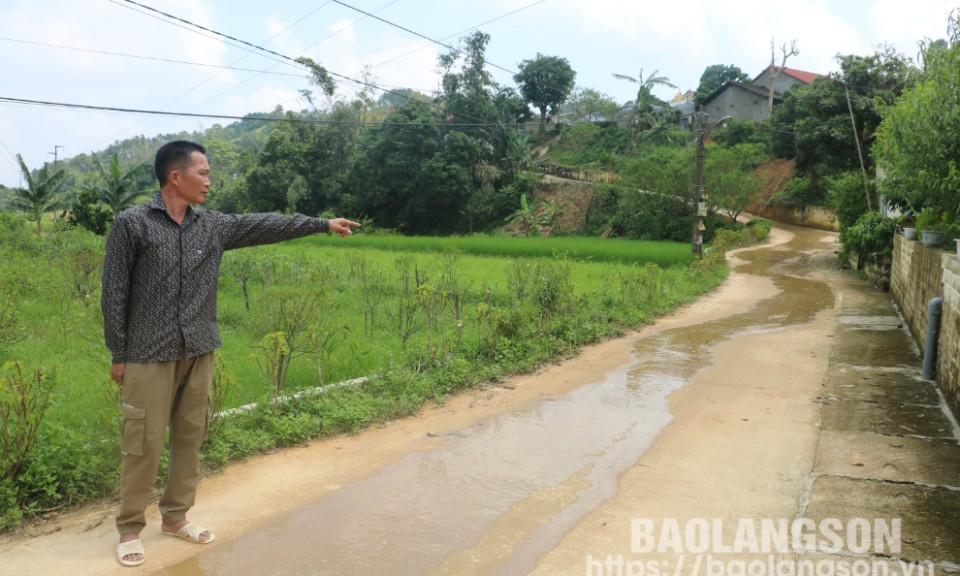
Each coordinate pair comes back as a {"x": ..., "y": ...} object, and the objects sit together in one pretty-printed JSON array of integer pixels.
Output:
[{"x": 157, "y": 395}]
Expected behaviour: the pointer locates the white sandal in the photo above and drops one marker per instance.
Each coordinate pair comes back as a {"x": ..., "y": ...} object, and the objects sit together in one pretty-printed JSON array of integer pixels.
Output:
[
  {"x": 191, "y": 533},
  {"x": 130, "y": 548}
]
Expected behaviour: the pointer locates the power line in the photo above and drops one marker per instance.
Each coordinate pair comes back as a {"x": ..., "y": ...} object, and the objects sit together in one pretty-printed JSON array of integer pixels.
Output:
[
  {"x": 9, "y": 157},
  {"x": 331, "y": 35},
  {"x": 284, "y": 57},
  {"x": 272, "y": 52},
  {"x": 197, "y": 87},
  {"x": 471, "y": 29},
  {"x": 141, "y": 57},
  {"x": 46, "y": 103},
  {"x": 215, "y": 33},
  {"x": 419, "y": 35},
  {"x": 157, "y": 17}
]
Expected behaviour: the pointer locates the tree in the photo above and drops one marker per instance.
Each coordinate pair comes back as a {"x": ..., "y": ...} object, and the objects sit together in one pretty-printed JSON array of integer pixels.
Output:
[
  {"x": 320, "y": 154},
  {"x": 318, "y": 75},
  {"x": 118, "y": 189},
  {"x": 774, "y": 71},
  {"x": 643, "y": 118},
  {"x": 812, "y": 124},
  {"x": 396, "y": 97},
  {"x": 918, "y": 143},
  {"x": 545, "y": 82},
  {"x": 42, "y": 194},
  {"x": 715, "y": 76},
  {"x": 730, "y": 177},
  {"x": 475, "y": 105},
  {"x": 284, "y": 156},
  {"x": 89, "y": 212},
  {"x": 587, "y": 104},
  {"x": 410, "y": 175},
  {"x": 468, "y": 93}
]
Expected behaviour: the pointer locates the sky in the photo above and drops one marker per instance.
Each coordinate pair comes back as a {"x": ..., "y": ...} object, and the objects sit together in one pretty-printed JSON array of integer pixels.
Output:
[{"x": 117, "y": 53}]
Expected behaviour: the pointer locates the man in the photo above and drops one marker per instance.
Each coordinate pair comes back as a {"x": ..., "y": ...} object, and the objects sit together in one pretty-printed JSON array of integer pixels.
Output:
[{"x": 159, "y": 312}]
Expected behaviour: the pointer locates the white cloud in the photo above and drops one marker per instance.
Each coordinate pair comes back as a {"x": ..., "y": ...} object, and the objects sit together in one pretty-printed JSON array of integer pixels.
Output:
[{"x": 904, "y": 24}]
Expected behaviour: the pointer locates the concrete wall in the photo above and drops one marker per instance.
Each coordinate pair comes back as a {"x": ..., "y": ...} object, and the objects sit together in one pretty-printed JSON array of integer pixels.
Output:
[
  {"x": 821, "y": 217},
  {"x": 739, "y": 103},
  {"x": 918, "y": 274}
]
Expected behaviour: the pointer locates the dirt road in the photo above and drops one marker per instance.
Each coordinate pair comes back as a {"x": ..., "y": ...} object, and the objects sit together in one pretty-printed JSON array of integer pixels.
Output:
[{"x": 711, "y": 414}]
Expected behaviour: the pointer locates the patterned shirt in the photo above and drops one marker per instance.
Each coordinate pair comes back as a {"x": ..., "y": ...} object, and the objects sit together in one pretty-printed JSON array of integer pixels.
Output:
[{"x": 160, "y": 278}]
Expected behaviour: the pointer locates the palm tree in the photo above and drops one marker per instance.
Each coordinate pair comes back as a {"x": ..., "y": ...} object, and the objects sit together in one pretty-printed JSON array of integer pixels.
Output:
[
  {"x": 42, "y": 193},
  {"x": 642, "y": 116},
  {"x": 118, "y": 191}
]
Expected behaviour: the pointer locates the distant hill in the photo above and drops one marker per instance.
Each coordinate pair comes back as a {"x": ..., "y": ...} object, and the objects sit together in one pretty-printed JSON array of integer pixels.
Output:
[{"x": 244, "y": 136}]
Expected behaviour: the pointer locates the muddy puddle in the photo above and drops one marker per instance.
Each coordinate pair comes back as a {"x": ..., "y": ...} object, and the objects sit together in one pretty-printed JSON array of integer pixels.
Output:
[{"x": 493, "y": 497}]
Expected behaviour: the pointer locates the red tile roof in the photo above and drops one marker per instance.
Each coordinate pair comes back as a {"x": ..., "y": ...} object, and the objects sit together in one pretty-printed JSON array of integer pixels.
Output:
[{"x": 802, "y": 76}]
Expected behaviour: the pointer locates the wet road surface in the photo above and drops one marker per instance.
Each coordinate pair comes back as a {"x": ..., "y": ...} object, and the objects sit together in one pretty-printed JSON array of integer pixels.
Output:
[{"x": 493, "y": 497}]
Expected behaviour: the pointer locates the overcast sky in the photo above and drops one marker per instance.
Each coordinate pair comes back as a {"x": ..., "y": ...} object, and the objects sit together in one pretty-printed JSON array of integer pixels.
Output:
[{"x": 55, "y": 50}]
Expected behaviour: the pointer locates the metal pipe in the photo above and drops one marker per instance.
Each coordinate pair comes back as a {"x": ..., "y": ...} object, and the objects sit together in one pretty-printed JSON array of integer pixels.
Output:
[{"x": 933, "y": 333}]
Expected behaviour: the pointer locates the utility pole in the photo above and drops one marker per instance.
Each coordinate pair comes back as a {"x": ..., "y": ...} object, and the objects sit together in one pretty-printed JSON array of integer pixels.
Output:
[
  {"x": 699, "y": 201},
  {"x": 56, "y": 149},
  {"x": 699, "y": 197},
  {"x": 856, "y": 139}
]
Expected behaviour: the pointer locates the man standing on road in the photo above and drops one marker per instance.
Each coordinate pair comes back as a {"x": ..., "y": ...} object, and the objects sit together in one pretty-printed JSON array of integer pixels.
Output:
[{"x": 159, "y": 312}]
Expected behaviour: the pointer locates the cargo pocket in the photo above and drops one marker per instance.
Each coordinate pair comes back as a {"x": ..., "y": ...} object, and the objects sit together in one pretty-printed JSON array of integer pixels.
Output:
[{"x": 134, "y": 430}]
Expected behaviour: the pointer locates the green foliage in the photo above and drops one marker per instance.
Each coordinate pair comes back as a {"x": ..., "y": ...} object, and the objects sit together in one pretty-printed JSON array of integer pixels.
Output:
[
  {"x": 318, "y": 75},
  {"x": 415, "y": 178},
  {"x": 590, "y": 144},
  {"x": 602, "y": 211},
  {"x": 918, "y": 143},
  {"x": 24, "y": 399},
  {"x": 89, "y": 212},
  {"x": 870, "y": 237},
  {"x": 545, "y": 82},
  {"x": 648, "y": 114},
  {"x": 15, "y": 236},
  {"x": 42, "y": 193},
  {"x": 933, "y": 220},
  {"x": 468, "y": 87},
  {"x": 588, "y": 105},
  {"x": 585, "y": 249},
  {"x": 730, "y": 178},
  {"x": 846, "y": 194},
  {"x": 813, "y": 126},
  {"x": 315, "y": 157},
  {"x": 801, "y": 191},
  {"x": 118, "y": 189},
  {"x": 715, "y": 76},
  {"x": 735, "y": 132},
  {"x": 480, "y": 317}
]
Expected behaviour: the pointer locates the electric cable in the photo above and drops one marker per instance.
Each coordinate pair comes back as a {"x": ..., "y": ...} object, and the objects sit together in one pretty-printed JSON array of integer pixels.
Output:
[
  {"x": 249, "y": 117},
  {"x": 141, "y": 57}
]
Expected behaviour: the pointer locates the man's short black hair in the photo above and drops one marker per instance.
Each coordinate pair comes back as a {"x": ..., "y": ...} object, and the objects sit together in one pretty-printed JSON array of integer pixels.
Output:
[{"x": 173, "y": 155}]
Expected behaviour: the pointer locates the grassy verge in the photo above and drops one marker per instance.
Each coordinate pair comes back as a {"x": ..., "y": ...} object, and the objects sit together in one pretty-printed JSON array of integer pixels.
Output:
[{"x": 424, "y": 319}]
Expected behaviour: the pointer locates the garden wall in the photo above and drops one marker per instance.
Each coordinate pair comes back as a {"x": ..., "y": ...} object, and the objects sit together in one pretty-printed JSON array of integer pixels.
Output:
[
  {"x": 919, "y": 274},
  {"x": 820, "y": 217}
]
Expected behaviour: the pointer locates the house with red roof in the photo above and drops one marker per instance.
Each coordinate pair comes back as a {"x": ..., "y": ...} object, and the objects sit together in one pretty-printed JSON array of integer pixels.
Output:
[{"x": 750, "y": 100}]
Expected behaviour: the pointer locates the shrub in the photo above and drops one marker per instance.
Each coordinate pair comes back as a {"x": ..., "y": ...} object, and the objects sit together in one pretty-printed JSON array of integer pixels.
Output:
[
  {"x": 870, "y": 237},
  {"x": 848, "y": 198}
]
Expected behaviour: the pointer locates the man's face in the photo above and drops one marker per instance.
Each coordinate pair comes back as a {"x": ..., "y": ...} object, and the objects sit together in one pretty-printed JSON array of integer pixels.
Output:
[{"x": 194, "y": 181}]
